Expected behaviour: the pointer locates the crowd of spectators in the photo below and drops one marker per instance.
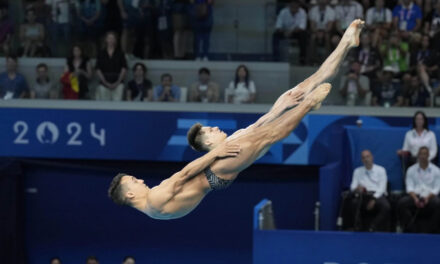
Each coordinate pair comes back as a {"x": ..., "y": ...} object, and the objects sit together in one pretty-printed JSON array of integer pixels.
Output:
[{"x": 399, "y": 52}]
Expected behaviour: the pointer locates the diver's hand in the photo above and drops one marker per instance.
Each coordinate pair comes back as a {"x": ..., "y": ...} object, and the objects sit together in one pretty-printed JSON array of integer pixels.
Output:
[{"x": 227, "y": 150}]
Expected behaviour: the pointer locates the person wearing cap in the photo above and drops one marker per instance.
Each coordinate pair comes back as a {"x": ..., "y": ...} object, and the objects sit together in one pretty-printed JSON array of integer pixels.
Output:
[{"x": 386, "y": 91}]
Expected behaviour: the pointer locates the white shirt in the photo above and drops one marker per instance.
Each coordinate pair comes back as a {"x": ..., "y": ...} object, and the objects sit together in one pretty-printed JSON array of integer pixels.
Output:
[
  {"x": 378, "y": 16},
  {"x": 413, "y": 142},
  {"x": 287, "y": 21},
  {"x": 347, "y": 13},
  {"x": 423, "y": 182},
  {"x": 322, "y": 18},
  {"x": 241, "y": 93},
  {"x": 60, "y": 10},
  {"x": 374, "y": 180}
]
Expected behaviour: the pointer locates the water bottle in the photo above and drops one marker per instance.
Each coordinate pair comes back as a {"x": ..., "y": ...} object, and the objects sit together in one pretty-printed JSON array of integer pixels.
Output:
[{"x": 316, "y": 213}]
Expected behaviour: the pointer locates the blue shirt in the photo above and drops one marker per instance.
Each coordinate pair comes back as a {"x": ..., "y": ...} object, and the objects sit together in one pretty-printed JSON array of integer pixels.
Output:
[
  {"x": 175, "y": 93},
  {"x": 16, "y": 86},
  {"x": 407, "y": 16}
]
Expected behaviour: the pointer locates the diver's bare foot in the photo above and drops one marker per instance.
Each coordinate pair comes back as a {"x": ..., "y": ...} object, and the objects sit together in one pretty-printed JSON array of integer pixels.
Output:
[
  {"x": 351, "y": 35},
  {"x": 318, "y": 95}
]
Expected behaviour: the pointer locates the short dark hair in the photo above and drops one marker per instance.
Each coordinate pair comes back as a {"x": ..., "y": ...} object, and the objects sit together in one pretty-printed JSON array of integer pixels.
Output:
[
  {"x": 194, "y": 139},
  {"x": 423, "y": 147},
  {"x": 425, "y": 119},
  {"x": 204, "y": 70},
  {"x": 115, "y": 191},
  {"x": 144, "y": 68},
  {"x": 166, "y": 75},
  {"x": 42, "y": 65}
]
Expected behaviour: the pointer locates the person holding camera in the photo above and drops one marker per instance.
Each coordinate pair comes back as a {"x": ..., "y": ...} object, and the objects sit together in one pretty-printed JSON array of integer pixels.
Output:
[{"x": 354, "y": 86}]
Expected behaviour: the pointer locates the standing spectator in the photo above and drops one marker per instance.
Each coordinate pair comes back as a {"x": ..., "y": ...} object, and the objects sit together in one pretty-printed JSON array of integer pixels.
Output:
[
  {"x": 165, "y": 32},
  {"x": 354, "y": 86},
  {"x": 386, "y": 91},
  {"x": 204, "y": 90},
  {"x": 78, "y": 64},
  {"x": 367, "y": 56},
  {"x": 13, "y": 85},
  {"x": 242, "y": 90},
  {"x": 395, "y": 53},
  {"x": 89, "y": 24},
  {"x": 147, "y": 29},
  {"x": 129, "y": 260},
  {"x": 368, "y": 189},
  {"x": 131, "y": 18},
  {"x": 419, "y": 136},
  {"x": 167, "y": 91},
  {"x": 140, "y": 88},
  {"x": 422, "y": 186},
  {"x": 417, "y": 94},
  {"x": 6, "y": 30},
  {"x": 379, "y": 20},
  {"x": 92, "y": 260},
  {"x": 32, "y": 35},
  {"x": 55, "y": 260},
  {"x": 322, "y": 19},
  {"x": 42, "y": 11},
  {"x": 346, "y": 12},
  {"x": 203, "y": 19},
  {"x": 59, "y": 26},
  {"x": 43, "y": 88},
  {"x": 432, "y": 26},
  {"x": 111, "y": 67},
  {"x": 291, "y": 24},
  {"x": 180, "y": 20},
  {"x": 407, "y": 16}
]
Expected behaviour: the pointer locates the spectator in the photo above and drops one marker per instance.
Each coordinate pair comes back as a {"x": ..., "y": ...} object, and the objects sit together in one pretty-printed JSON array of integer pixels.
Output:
[
  {"x": 111, "y": 67},
  {"x": 422, "y": 186},
  {"x": 6, "y": 30},
  {"x": 92, "y": 260},
  {"x": 204, "y": 90},
  {"x": 180, "y": 20},
  {"x": 167, "y": 92},
  {"x": 165, "y": 33},
  {"x": 89, "y": 24},
  {"x": 43, "y": 88},
  {"x": 354, "y": 86},
  {"x": 346, "y": 12},
  {"x": 131, "y": 18},
  {"x": 379, "y": 20},
  {"x": 242, "y": 90},
  {"x": 368, "y": 189},
  {"x": 395, "y": 53},
  {"x": 425, "y": 62},
  {"x": 367, "y": 56},
  {"x": 78, "y": 64},
  {"x": 202, "y": 16},
  {"x": 140, "y": 88},
  {"x": 147, "y": 29},
  {"x": 55, "y": 260},
  {"x": 129, "y": 260},
  {"x": 417, "y": 94},
  {"x": 59, "y": 26},
  {"x": 386, "y": 91},
  {"x": 291, "y": 24},
  {"x": 407, "y": 16},
  {"x": 322, "y": 19},
  {"x": 432, "y": 26},
  {"x": 13, "y": 85},
  {"x": 419, "y": 136},
  {"x": 32, "y": 36}
]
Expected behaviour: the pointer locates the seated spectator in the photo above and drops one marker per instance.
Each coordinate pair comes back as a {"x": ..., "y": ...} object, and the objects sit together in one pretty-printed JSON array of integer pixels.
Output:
[
  {"x": 202, "y": 17},
  {"x": 92, "y": 260},
  {"x": 204, "y": 90},
  {"x": 59, "y": 26},
  {"x": 140, "y": 88},
  {"x": 426, "y": 62},
  {"x": 346, "y": 11},
  {"x": 367, "y": 196},
  {"x": 407, "y": 17},
  {"x": 79, "y": 66},
  {"x": 367, "y": 56},
  {"x": 322, "y": 19},
  {"x": 43, "y": 88},
  {"x": 111, "y": 67},
  {"x": 379, "y": 20},
  {"x": 129, "y": 260},
  {"x": 89, "y": 23},
  {"x": 354, "y": 86},
  {"x": 291, "y": 24},
  {"x": 386, "y": 91},
  {"x": 242, "y": 90},
  {"x": 6, "y": 30},
  {"x": 55, "y": 260},
  {"x": 419, "y": 136},
  {"x": 422, "y": 186},
  {"x": 131, "y": 17},
  {"x": 432, "y": 26},
  {"x": 417, "y": 94},
  {"x": 32, "y": 36},
  {"x": 395, "y": 53},
  {"x": 167, "y": 92},
  {"x": 13, "y": 85}
]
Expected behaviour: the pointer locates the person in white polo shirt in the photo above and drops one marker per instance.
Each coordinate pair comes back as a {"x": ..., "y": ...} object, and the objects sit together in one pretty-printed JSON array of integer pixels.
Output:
[
  {"x": 422, "y": 186},
  {"x": 368, "y": 189},
  {"x": 322, "y": 19}
]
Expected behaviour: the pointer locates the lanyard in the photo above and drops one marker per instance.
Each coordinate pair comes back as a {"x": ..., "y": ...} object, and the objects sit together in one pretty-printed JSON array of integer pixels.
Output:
[
  {"x": 408, "y": 14},
  {"x": 381, "y": 15}
]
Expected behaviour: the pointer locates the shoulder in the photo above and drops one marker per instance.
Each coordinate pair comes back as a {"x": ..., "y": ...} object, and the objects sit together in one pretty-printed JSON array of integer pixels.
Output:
[
  {"x": 302, "y": 11},
  {"x": 379, "y": 168},
  {"x": 412, "y": 169},
  {"x": 358, "y": 170},
  {"x": 313, "y": 10}
]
